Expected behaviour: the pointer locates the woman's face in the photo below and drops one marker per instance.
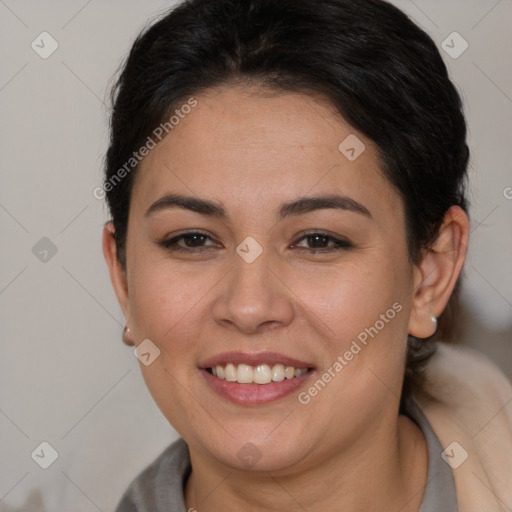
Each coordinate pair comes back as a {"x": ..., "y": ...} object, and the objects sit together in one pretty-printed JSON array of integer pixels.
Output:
[{"x": 254, "y": 289}]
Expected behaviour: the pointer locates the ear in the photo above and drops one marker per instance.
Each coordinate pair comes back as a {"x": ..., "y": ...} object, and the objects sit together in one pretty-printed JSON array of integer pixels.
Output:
[
  {"x": 117, "y": 273},
  {"x": 437, "y": 273}
]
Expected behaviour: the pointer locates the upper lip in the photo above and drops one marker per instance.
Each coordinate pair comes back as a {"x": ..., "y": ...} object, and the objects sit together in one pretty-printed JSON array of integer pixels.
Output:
[{"x": 253, "y": 359}]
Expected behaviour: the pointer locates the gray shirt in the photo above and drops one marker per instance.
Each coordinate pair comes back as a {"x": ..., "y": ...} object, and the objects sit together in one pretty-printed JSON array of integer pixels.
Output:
[
  {"x": 440, "y": 491},
  {"x": 159, "y": 488}
]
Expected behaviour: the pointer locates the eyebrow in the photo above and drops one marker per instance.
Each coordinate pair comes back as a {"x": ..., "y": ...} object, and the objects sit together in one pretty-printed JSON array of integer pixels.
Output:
[{"x": 297, "y": 207}]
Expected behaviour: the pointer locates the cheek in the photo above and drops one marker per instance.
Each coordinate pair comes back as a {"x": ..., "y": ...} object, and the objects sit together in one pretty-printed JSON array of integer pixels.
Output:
[
  {"x": 166, "y": 306},
  {"x": 353, "y": 295},
  {"x": 363, "y": 313},
  {"x": 164, "y": 303}
]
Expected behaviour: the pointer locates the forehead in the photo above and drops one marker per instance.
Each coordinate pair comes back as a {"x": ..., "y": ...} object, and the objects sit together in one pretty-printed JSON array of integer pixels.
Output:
[{"x": 252, "y": 150}]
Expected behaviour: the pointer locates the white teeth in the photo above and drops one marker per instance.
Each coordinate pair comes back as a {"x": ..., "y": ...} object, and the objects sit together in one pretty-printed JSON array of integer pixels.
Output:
[
  {"x": 244, "y": 374},
  {"x": 260, "y": 374},
  {"x": 230, "y": 372},
  {"x": 278, "y": 373}
]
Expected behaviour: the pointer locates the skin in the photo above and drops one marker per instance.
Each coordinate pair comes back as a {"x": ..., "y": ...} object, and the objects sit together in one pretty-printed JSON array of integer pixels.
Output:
[{"x": 348, "y": 448}]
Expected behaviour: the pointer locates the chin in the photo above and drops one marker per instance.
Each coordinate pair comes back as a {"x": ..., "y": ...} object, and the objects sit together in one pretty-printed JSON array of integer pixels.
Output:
[{"x": 248, "y": 450}]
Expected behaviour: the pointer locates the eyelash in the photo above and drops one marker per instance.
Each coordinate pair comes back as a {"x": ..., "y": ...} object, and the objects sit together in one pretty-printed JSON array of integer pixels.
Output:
[{"x": 171, "y": 244}]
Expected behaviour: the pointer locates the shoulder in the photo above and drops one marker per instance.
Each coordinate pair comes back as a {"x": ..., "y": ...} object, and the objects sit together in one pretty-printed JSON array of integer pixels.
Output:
[
  {"x": 159, "y": 487},
  {"x": 469, "y": 406},
  {"x": 470, "y": 392},
  {"x": 456, "y": 372}
]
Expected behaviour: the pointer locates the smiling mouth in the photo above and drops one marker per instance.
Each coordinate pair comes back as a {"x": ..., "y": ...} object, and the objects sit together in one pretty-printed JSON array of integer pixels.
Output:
[{"x": 259, "y": 374}]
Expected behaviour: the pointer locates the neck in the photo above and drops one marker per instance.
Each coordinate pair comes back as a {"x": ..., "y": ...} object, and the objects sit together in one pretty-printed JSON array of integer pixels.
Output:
[{"x": 387, "y": 471}]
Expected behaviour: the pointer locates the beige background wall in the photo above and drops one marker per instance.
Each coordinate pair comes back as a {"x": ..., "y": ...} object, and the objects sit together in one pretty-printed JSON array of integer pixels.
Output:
[{"x": 65, "y": 377}]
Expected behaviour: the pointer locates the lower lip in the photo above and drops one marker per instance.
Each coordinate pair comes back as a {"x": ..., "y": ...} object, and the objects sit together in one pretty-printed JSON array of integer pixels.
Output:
[{"x": 254, "y": 394}]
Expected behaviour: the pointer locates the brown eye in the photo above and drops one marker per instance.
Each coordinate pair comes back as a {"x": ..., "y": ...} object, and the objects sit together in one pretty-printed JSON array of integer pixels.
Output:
[
  {"x": 321, "y": 242},
  {"x": 192, "y": 242}
]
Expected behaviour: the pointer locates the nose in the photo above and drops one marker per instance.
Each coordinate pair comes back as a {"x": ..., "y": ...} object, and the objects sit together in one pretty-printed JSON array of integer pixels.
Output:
[{"x": 255, "y": 296}]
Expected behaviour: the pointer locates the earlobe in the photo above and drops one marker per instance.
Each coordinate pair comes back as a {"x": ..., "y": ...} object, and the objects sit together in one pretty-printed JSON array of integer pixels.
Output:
[
  {"x": 436, "y": 275},
  {"x": 117, "y": 273}
]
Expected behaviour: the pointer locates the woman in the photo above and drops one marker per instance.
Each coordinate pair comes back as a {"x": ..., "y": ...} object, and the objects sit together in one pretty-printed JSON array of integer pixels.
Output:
[{"x": 287, "y": 187}]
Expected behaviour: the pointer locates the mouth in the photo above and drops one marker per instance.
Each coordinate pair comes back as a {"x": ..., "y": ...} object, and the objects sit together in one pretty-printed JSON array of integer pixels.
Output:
[
  {"x": 261, "y": 374},
  {"x": 255, "y": 379}
]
